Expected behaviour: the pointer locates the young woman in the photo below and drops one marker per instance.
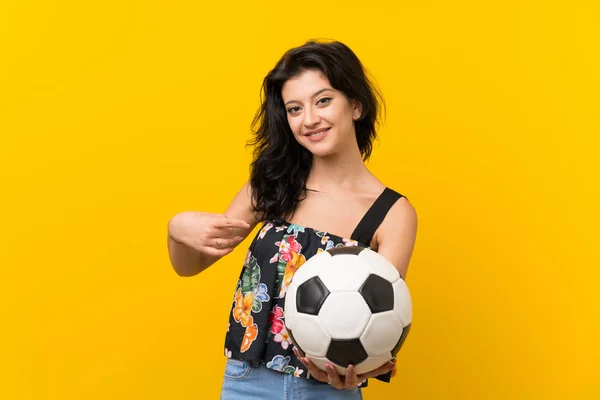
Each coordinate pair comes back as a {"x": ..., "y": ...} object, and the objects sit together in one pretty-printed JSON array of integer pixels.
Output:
[{"x": 311, "y": 191}]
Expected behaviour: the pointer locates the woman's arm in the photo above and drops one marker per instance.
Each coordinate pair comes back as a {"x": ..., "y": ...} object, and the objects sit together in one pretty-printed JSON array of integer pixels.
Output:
[
  {"x": 397, "y": 234},
  {"x": 197, "y": 240}
]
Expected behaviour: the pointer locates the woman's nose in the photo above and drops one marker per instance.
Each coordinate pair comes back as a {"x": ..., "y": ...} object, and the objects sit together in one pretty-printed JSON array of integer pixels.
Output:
[{"x": 311, "y": 118}]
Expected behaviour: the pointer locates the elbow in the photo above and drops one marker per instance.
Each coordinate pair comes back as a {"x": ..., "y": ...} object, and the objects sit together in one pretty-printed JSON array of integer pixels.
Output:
[{"x": 186, "y": 272}]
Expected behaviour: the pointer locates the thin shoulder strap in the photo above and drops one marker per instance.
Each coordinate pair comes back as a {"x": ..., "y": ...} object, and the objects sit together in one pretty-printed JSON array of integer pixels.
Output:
[{"x": 374, "y": 216}]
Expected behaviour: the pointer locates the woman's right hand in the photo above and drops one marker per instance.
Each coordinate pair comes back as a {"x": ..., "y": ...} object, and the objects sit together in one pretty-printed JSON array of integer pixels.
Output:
[{"x": 212, "y": 234}]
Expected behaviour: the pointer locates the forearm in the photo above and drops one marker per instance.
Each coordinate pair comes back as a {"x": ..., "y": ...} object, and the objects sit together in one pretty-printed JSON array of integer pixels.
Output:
[
  {"x": 196, "y": 240},
  {"x": 187, "y": 261}
]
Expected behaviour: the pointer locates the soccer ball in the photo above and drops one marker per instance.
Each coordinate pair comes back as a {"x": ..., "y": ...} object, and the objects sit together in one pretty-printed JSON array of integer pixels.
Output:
[{"x": 348, "y": 305}]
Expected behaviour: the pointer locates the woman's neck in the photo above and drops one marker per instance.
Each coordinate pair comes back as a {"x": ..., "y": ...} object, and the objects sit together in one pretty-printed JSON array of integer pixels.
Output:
[{"x": 338, "y": 173}]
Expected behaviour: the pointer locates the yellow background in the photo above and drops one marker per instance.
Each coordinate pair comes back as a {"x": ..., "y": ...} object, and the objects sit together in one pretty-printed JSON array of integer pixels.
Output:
[{"x": 116, "y": 115}]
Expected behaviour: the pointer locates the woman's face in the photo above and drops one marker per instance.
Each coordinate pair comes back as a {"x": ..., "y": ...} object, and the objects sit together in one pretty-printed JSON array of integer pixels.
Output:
[{"x": 321, "y": 118}]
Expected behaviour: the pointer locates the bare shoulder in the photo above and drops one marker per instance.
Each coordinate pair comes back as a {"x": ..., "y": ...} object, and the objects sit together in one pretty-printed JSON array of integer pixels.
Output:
[
  {"x": 397, "y": 233},
  {"x": 402, "y": 212}
]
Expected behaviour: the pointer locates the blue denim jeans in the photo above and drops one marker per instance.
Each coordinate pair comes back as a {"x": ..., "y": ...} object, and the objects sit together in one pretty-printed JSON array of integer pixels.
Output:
[{"x": 243, "y": 382}]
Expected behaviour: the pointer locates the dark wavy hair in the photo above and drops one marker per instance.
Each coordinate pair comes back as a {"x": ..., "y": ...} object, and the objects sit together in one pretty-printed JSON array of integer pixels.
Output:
[{"x": 280, "y": 164}]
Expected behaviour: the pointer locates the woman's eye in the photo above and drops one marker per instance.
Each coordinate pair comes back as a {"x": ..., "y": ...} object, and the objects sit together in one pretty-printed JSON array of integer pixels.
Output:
[
  {"x": 293, "y": 109},
  {"x": 324, "y": 100}
]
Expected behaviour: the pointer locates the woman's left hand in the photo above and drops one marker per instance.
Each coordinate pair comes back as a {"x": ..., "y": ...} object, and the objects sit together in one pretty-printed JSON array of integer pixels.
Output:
[{"x": 350, "y": 380}]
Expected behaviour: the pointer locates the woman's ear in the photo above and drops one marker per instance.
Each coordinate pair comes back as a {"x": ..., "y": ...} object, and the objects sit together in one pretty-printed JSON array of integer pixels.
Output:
[{"x": 356, "y": 110}]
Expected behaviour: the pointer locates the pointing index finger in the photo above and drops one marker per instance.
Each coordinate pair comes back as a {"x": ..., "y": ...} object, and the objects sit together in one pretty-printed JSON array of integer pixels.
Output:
[{"x": 232, "y": 223}]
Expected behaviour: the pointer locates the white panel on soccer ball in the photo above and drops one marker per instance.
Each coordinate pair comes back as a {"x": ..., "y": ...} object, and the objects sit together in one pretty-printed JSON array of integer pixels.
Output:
[
  {"x": 372, "y": 363},
  {"x": 310, "y": 334},
  {"x": 321, "y": 361},
  {"x": 289, "y": 307},
  {"x": 402, "y": 302},
  {"x": 344, "y": 315},
  {"x": 344, "y": 273},
  {"x": 311, "y": 268},
  {"x": 382, "y": 333},
  {"x": 379, "y": 265}
]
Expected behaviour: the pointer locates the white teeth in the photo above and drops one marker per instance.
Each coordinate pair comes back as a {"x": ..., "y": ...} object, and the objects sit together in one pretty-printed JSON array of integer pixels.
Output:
[{"x": 318, "y": 133}]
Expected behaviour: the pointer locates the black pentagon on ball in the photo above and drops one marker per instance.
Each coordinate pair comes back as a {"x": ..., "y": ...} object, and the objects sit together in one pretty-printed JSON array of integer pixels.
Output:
[
  {"x": 346, "y": 352},
  {"x": 352, "y": 250},
  {"x": 398, "y": 345},
  {"x": 378, "y": 293},
  {"x": 310, "y": 296}
]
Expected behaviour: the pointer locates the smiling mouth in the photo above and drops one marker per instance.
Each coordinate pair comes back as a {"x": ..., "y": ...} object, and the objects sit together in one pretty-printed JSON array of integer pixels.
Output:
[{"x": 318, "y": 134}]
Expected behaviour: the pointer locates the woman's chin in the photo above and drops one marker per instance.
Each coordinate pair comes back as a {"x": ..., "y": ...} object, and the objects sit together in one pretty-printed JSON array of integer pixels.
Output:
[{"x": 322, "y": 152}]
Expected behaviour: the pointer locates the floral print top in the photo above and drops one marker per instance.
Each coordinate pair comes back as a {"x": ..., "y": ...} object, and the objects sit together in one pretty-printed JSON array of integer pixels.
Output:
[{"x": 256, "y": 332}]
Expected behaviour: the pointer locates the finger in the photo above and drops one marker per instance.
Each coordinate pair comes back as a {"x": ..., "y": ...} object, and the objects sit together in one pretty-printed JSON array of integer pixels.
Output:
[
  {"x": 315, "y": 372},
  {"x": 221, "y": 243},
  {"x": 228, "y": 232},
  {"x": 211, "y": 251},
  {"x": 376, "y": 372},
  {"x": 301, "y": 360},
  {"x": 333, "y": 377},
  {"x": 230, "y": 222},
  {"x": 351, "y": 380},
  {"x": 299, "y": 356},
  {"x": 297, "y": 352}
]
